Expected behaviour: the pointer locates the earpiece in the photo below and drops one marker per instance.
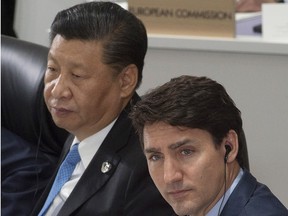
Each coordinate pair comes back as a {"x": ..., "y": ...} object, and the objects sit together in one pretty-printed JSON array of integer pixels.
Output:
[{"x": 228, "y": 150}]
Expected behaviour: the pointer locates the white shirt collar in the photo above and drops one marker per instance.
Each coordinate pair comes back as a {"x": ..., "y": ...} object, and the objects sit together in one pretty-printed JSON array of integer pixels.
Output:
[{"x": 89, "y": 146}]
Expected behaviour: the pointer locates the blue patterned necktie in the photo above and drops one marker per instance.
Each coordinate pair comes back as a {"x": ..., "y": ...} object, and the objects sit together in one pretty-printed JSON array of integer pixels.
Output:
[{"x": 63, "y": 175}]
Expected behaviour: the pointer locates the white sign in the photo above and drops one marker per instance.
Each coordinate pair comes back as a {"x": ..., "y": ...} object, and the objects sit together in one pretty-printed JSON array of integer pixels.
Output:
[{"x": 275, "y": 22}]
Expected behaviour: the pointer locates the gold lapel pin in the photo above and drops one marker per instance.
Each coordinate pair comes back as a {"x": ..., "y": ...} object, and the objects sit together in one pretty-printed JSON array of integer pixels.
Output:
[{"x": 106, "y": 167}]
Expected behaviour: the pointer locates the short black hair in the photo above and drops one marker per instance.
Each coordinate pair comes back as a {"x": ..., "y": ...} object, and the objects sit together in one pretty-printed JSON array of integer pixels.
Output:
[{"x": 122, "y": 34}]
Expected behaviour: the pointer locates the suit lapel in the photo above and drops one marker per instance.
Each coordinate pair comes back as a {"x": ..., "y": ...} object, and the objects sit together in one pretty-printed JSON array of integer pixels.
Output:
[
  {"x": 91, "y": 181},
  {"x": 240, "y": 196},
  {"x": 93, "y": 178}
]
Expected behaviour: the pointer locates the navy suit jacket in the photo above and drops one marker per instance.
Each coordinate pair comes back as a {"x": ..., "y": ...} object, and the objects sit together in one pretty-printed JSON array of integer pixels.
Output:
[
  {"x": 126, "y": 189},
  {"x": 251, "y": 198},
  {"x": 25, "y": 172}
]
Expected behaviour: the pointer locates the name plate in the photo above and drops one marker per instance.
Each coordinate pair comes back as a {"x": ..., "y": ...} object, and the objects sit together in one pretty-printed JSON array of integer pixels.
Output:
[{"x": 214, "y": 18}]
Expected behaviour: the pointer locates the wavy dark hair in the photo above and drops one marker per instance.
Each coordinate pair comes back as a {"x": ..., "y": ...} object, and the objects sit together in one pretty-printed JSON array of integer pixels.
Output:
[{"x": 192, "y": 102}]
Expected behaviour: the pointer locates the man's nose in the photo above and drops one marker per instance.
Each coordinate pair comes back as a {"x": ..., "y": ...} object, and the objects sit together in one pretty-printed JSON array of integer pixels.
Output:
[
  {"x": 61, "y": 89},
  {"x": 172, "y": 171}
]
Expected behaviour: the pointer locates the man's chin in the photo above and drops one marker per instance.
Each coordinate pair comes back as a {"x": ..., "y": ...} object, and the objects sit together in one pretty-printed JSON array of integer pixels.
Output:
[
  {"x": 180, "y": 209},
  {"x": 62, "y": 125}
]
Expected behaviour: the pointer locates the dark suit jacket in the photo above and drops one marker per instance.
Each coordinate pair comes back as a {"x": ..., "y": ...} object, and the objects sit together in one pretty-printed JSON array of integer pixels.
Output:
[
  {"x": 251, "y": 198},
  {"x": 126, "y": 189},
  {"x": 25, "y": 172}
]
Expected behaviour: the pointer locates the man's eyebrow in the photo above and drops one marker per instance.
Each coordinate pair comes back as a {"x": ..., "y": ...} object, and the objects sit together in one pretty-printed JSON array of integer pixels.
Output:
[
  {"x": 72, "y": 64},
  {"x": 151, "y": 150},
  {"x": 180, "y": 143},
  {"x": 172, "y": 146}
]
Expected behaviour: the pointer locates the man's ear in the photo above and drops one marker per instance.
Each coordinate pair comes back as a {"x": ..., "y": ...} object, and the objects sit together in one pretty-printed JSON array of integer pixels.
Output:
[
  {"x": 128, "y": 80},
  {"x": 232, "y": 141}
]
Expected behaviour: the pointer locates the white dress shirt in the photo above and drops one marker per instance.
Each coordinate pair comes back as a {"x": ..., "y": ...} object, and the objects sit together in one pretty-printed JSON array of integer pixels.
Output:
[{"x": 87, "y": 149}]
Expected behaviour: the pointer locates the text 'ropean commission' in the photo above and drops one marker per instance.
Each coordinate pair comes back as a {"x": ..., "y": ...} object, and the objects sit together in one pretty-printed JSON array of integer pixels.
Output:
[{"x": 181, "y": 13}]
